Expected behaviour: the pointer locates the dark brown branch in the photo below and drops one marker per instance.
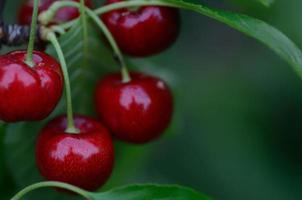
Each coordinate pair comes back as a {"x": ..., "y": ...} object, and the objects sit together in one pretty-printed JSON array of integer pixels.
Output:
[{"x": 16, "y": 35}]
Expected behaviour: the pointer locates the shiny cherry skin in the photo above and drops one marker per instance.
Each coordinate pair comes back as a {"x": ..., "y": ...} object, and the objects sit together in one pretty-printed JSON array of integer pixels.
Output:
[
  {"x": 28, "y": 93},
  {"x": 145, "y": 31},
  {"x": 85, "y": 159},
  {"x": 137, "y": 111},
  {"x": 63, "y": 15}
]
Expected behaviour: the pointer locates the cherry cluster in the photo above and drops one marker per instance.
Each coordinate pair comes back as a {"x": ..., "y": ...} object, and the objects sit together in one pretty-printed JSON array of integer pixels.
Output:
[{"x": 136, "y": 111}]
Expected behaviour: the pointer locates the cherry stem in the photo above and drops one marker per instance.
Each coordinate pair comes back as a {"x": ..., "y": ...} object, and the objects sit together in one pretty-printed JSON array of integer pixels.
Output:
[
  {"x": 124, "y": 71},
  {"x": 133, "y": 3},
  {"x": 32, "y": 36},
  {"x": 70, "y": 122},
  {"x": 39, "y": 185},
  {"x": 58, "y": 29}
]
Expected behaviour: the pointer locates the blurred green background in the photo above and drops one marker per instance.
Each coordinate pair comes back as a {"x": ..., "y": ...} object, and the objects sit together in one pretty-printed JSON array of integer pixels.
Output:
[{"x": 237, "y": 128}]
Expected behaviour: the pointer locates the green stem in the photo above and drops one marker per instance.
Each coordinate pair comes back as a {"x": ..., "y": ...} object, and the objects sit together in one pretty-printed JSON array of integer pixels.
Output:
[
  {"x": 83, "y": 17},
  {"x": 132, "y": 3},
  {"x": 117, "y": 51},
  {"x": 125, "y": 74},
  {"x": 68, "y": 24},
  {"x": 32, "y": 37},
  {"x": 70, "y": 122},
  {"x": 65, "y": 186}
]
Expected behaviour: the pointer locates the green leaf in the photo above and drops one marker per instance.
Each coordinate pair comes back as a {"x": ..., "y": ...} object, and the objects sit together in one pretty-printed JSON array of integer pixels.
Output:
[
  {"x": 150, "y": 192},
  {"x": 252, "y": 27},
  {"x": 131, "y": 192}
]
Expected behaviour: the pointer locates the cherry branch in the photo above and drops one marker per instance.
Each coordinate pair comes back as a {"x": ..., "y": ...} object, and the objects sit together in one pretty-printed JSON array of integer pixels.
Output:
[{"x": 16, "y": 35}]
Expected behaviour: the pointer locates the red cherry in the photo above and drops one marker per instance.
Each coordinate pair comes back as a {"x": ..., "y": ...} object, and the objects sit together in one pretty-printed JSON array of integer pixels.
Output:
[
  {"x": 137, "y": 111},
  {"x": 84, "y": 160},
  {"x": 28, "y": 93},
  {"x": 145, "y": 31},
  {"x": 63, "y": 15}
]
